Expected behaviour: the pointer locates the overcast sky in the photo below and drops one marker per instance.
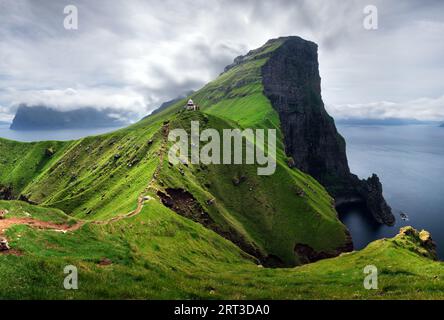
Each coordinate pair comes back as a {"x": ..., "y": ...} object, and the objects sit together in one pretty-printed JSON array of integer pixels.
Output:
[{"x": 132, "y": 55}]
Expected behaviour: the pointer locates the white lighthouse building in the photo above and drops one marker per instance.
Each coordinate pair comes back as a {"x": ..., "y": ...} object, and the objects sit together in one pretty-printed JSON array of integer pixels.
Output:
[{"x": 191, "y": 106}]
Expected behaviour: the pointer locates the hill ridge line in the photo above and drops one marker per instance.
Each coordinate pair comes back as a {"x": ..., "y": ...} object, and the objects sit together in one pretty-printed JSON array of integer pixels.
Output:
[
  {"x": 35, "y": 223},
  {"x": 141, "y": 199}
]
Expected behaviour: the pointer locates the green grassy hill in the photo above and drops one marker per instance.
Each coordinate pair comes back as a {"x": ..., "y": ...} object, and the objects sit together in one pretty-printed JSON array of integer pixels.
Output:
[
  {"x": 158, "y": 254},
  {"x": 188, "y": 231},
  {"x": 101, "y": 177},
  {"x": 267, "y": 216}
]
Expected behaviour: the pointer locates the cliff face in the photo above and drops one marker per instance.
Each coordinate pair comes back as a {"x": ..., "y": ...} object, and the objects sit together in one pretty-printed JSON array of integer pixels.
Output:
[{"x": 292, "y": 83}]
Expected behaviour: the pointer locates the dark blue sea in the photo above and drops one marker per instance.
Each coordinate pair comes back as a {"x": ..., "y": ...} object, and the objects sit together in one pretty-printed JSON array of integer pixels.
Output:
[{"x": 410, "y": 162}]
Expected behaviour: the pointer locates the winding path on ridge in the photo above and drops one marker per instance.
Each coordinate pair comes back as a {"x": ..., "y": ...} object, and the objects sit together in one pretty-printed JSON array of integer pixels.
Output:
[
  {"x": 140, "y": 199},
  {"x": 38, "y": 224},
  {"x": 6, "y": 223}
]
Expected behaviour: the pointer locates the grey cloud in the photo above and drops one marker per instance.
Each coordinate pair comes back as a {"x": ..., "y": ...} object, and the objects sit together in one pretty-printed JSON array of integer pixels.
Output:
[
  {"x": 145, "y": 52},
  {"x": 425, "y": 109}
]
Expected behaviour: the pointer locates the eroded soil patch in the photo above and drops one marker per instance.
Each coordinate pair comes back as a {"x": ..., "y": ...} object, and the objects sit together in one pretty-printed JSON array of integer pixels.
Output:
[
  {"x": 9, "y": 222},
  {"x": 184, "y": 203}
]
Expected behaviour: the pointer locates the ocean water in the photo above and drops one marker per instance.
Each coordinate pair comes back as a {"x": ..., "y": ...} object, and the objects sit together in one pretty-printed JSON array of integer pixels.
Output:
[
  {"x": 41, "y": 135},
  {"x": 410, "y": 162}
]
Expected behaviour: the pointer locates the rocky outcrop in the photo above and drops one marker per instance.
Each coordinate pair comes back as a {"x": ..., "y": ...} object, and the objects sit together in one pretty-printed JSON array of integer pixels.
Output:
[
  {"x": 3, "y": 214},
  {"x": 292, "y": 84},
  {"x": 422, "y": 241},
  {"x": 4, "y": 245},
  {"x": 6, "y": 193},
  {"x": 184, "y": 203},
  {"x": 307, "y": 254}
]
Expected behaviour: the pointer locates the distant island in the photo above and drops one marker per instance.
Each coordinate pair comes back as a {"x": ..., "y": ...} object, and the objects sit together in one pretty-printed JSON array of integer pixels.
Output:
[
  {"x": 383, "y": 122},
  {"x": 45, "y": 118},
  {"x": 171, "y": 102}
]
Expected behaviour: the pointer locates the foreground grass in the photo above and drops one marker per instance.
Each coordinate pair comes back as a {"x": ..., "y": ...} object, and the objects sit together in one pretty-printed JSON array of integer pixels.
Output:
[{"x": 160, "y": 255}]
